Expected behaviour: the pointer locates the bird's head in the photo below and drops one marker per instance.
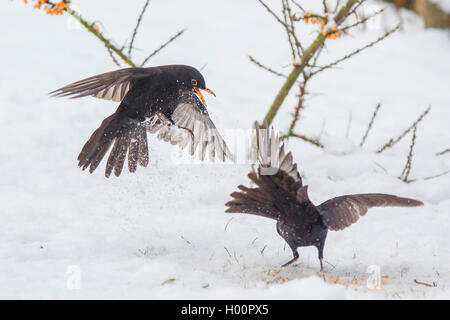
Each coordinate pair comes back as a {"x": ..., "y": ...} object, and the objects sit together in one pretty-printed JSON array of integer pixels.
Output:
[{"x": 193, "y": 80}]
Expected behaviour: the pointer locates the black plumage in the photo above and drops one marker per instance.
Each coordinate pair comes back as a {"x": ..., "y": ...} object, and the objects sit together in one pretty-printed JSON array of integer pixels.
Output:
[
  {"x": 279, "y": 194},
  {"x": 166, "y": 100}
]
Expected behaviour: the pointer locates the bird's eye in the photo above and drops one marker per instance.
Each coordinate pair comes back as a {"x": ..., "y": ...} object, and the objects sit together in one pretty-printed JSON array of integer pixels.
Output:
[{"x": 194, "y": 82}]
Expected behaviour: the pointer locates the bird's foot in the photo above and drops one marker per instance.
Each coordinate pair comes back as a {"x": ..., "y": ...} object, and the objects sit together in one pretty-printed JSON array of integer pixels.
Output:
[
  {"x": 189, "y": 131},
  {"x": 289, "y": 262}
]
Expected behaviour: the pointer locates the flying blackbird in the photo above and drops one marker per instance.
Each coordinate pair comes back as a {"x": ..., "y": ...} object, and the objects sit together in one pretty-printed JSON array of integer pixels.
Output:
[
  {"x": 162, "y": 99},
  {"x": 280, "y": 195}
]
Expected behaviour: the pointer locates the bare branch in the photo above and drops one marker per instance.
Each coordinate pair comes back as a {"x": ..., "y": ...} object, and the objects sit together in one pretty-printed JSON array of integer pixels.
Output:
[
  {"x": 407, "y": 169},
  {"x": 91, "y": 28},
  {"x": 325, "y": 6},
  {"x": 299, "y": 107},
  {"x": 179, "y": 33},
  {"x": 370, "y": 124},
  {"x": 357, "y": 5},
  {"x": 388, "y": 33},
  {"x": 259, "y": 64},
  {"x": 357, "y": 23},
  {"x": 298, "y": 5},
  {"x": 424, "y": 283},
  {"x": 443, "y": 152},
  {"x": 437, "y": 175},
  {"x": 272, "y": 13},
  {"x": 130, "y": 48},
  {"x": 289, "y": 32},
  {"x": 298, "y": 44},
  {"x": 305, "y": 138},
  {"x": 392, "y": 141},
  {"x": 113, "y": 58}
]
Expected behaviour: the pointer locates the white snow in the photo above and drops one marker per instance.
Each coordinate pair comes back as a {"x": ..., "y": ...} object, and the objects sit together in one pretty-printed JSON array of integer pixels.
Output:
[{"x": 162, "y": 232}]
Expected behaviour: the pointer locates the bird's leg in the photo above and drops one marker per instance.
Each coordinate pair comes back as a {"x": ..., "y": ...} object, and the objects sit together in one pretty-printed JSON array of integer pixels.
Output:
[
  {"x": 158, "y": 116},
  {"x": 320, "y": 249},
  {"x": 189, "y": 132},
  {"x": 296, "y": 255}
]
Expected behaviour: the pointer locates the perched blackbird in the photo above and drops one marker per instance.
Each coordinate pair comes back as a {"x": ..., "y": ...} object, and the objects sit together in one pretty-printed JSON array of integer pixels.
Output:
[
  {"x": 280, "y": 195},
  {"x": 162, "y": 99}
]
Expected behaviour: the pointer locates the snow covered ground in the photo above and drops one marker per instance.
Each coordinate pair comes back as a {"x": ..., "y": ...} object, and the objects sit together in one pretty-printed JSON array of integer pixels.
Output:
[{"x": 162, "y": 232}]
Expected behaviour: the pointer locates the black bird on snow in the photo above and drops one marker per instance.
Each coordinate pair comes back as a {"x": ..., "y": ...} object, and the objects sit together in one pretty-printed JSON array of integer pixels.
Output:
[
  {"x": 280, "y": 195},
  {"x": 162, "y": 99}
]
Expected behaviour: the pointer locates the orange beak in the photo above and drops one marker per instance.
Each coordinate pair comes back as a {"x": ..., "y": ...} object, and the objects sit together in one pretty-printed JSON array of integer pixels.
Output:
[{"x": 199, "y": 93}]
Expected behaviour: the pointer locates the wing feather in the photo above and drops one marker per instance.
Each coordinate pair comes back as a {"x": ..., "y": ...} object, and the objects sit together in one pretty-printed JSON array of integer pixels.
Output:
[
  {"x": 276, "y": 178},
  {"x": 193, "y": 126},
  {"x": 112, "y": 85},
  {"x": 340, "y": 212}
]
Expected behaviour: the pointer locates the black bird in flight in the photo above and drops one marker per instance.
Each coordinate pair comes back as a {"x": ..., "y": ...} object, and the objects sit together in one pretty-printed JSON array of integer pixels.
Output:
[
  {"x": 280, "y": 195},
  {"x": 162, "y": 99}
]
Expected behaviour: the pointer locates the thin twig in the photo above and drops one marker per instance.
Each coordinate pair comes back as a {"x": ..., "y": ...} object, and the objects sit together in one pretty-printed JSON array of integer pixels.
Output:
[
  {"x": 325, "y": 7},
  {"x": 301, "y": 99},
  {"x": 357, "y": 23},
  {"x": 272, "y": 13},
  {"x": 179, "y": 33},
  {"x": 259, "y": 64},
  {"x": 298, "y": 44},
  {"x": 431, "y": 177},
  {"x": 443, "y": 152},
  {"x": 437, "y": 175},
  {"x": 130, "y": 48},
  {"x": 370, "y": 124},
  {"x": 229, "y": 254},
  {"x": 424, "y": 283},
  {"x": 407, "y": 169},
  {"x": 91, "y": 28},
  {"x": 113, "y": 58},
  {"x": 288, "y": 30},
  {"x": 357, "y": 5},
  {"x": 305, "y": 138},
  {"x": 356, "y": 51},
  {"x": 392, "y": 141},
  {"x": 298, "y": 5}
]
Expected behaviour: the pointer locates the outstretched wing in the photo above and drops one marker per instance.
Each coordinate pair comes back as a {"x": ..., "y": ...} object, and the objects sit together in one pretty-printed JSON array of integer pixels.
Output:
[
  {"x": 340, "y": 212},
  {"x": 126, "y": 135},
  {"x": 277, "y": 181},
  {"x": 193, "y": 127},
  {"x": 112, "y": 85}
]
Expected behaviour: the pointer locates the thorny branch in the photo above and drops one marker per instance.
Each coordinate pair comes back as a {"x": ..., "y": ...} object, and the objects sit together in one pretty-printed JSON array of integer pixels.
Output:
[
  {"x": 138, "y": 23},
  {"x": 304, "y": 58},
  {"x": 332, "y": 64},
  {"x": 393, "y": 141},
  {"x": 259, "y": 64},
  {"x": 179, "y": 33},
  {"x": 407, "y": 169},
  {"x": 372, "y": 120},
  {"x": 113, "y": 49}
]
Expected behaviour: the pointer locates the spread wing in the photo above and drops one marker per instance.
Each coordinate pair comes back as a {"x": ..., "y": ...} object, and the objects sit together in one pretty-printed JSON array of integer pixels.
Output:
[
  {"x": 193, "y": 127},
  {"x": 278, "y": 183},
  {"x": 126, "y": 135},
  {"x": 112, "y": 85},
  {"x": 340, "y": 212},
  {"x": 190, "y": 124}
]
